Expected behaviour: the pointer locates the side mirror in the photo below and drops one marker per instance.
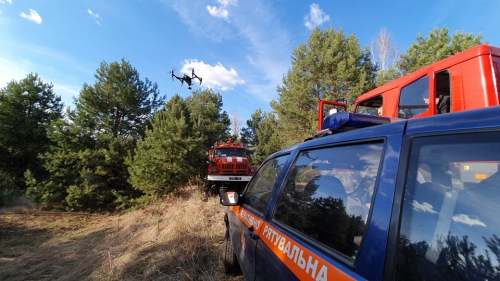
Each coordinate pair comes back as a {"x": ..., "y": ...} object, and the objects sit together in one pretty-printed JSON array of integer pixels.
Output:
[{"x": 229, "y": 198}]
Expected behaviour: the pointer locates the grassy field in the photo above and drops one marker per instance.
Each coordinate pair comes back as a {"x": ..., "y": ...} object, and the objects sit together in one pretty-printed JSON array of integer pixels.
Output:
[{"x": 179, "y": 239}]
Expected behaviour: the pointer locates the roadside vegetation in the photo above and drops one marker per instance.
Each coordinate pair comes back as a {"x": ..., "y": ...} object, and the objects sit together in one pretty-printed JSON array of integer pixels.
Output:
[{"x": 179, "y": 239}]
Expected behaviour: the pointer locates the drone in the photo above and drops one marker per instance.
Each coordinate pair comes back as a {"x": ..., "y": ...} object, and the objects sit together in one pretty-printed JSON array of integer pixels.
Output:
[{"x": 186, "y": 78}]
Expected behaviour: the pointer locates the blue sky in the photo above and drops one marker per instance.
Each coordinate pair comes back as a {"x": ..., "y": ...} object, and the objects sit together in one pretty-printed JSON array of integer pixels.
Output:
[{"x": 240, "y": 48}]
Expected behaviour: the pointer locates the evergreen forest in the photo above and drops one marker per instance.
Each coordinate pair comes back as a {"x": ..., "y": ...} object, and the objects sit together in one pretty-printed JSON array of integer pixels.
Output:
[{"x": 123, "y": 144}]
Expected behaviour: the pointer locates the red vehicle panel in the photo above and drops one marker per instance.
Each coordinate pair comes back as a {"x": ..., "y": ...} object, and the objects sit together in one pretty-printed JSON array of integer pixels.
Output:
[{"x": 468, "y": 80}]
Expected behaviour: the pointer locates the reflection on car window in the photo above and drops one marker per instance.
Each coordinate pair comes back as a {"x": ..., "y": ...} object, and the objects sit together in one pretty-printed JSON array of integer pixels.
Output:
[
  {"x": 260, "y": 187},
  {"x": 449, "y": 225},
  {"x": 328, "y": 194}
]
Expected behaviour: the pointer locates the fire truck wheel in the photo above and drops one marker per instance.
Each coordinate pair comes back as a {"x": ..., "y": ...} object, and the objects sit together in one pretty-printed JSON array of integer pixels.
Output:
[{"x": 231, "y": 265}]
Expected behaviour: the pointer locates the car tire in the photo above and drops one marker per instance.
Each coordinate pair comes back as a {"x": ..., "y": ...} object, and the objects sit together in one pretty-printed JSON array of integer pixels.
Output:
[{"x": 231, "y": 265}]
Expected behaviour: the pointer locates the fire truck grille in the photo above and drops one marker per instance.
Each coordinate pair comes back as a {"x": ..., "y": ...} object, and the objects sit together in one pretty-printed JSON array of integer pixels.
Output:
[
  {"x": 234, "y": 169},
  {"x": 241, "y": 166}
]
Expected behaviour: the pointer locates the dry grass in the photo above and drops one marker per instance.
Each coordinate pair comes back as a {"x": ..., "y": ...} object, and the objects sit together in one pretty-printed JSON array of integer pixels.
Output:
[{"x": 180, "y": 239}]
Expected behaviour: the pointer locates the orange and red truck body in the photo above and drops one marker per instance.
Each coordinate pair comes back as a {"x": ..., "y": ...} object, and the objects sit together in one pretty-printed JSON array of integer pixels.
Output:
[
  {"x": 228, "y": 167},
  {"x": 469, "y": 80}
]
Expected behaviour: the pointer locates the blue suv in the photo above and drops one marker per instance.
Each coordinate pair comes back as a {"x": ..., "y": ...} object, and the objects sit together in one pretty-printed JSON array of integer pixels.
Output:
[{"x": 373, "y": 198}]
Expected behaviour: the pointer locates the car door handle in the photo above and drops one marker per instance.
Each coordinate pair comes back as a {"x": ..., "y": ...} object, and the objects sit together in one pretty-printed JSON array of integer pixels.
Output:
[{"x": 252, "y": 234}]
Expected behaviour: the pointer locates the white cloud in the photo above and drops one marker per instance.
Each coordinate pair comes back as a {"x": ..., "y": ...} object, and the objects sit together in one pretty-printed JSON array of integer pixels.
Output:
[
  {"x": 315, "y": 17},
  {"x": 218, "y": 12},
  {"x": 214, "y": 77},
  {"x": 95, "y": 16},
  {"x": 221, "y": 12},
  {"x": 33, "y": 16},
  {"x": 424, "y": 207},
  {"x": 465, "y": 219},
  {"x": 228, "y": 2},
  {"x": 265, "y": 44},
  {"x": 6, "y": 1}
]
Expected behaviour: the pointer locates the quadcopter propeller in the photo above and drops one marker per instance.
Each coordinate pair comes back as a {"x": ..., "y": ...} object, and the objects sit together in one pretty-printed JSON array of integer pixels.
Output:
[
  {"x": 193, "y": 75},
  {"x": 177, "y": 77}
]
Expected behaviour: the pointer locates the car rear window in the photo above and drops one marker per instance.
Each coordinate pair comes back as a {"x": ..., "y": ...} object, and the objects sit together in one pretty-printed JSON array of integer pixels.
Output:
[{"x": 450, "y": 222}]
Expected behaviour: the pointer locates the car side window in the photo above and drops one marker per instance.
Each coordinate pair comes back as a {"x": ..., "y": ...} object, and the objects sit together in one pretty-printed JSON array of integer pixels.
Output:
[
  {"x": 449, "y": 222},
  {"x": 260, "y": 187},
  {"x": 328, "y": 193}
]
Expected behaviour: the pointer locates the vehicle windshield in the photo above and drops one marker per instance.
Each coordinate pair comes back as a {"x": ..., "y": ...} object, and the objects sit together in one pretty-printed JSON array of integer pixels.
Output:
[{"x": 230, "y": 152}]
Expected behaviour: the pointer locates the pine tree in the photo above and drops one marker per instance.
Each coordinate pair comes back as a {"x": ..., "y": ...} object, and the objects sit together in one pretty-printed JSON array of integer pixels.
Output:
[
  {"x": 163, "y": 160},
  {"x": 211, "y": 124},
  {"x": 269, "y": 137},
  {"x": 248, "y": 136},
  {"x": 87, "y": 164},
  {"x": 27, "y": 108},
  {"x": 436, "y": 46},
  {"x": 261, "y": 136},
  {"x": 386, "y": 76},
  {"x": 329, "y": 66},
  {"x": 208, "y": 117}
]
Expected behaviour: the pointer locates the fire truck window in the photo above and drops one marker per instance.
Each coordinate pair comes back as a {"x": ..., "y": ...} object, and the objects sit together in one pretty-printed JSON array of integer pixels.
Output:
[
  {"x": 372, "y": 106},
  {"x": 328, "y": 193},
  {"x": 414, "y": 98},
  {"x": 443, "y": 96},
  {"x": 224, "y": 152},
  {"x": 260, "y": 187},
  {"x": 449, "y": 225}
]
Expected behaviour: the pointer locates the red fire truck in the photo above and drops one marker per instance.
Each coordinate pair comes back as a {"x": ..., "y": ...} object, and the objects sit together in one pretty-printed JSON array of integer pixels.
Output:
[
  {"x": 467, "y": 80},
  {"x": 228, "y": 167}
]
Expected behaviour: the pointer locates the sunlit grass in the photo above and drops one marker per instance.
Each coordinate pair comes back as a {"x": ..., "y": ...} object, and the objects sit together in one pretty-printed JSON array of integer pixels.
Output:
[{"x": 179, "y": 239}]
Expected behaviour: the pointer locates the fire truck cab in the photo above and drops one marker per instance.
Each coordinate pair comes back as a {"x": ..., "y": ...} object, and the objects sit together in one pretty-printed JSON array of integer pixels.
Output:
[
  {"x": 468, "y": 80},
  {"x": 228, "y": 167}
]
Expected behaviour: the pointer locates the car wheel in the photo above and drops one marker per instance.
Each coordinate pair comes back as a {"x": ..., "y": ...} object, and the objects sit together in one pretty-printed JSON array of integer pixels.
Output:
[{"x": 231, "y": 265}]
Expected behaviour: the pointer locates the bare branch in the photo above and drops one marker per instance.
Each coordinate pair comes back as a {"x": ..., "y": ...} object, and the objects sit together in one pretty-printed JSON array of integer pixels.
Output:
[
  {"x": 384, "y": 50},
  {"x": 236, "y": 124}
]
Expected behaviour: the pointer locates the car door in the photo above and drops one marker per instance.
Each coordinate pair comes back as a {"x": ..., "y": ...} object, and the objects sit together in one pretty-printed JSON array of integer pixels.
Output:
[
  {"x": 448, "y": 221},
  {"x": 323, "y": 206},
  {"x": 246, "y": 220}
]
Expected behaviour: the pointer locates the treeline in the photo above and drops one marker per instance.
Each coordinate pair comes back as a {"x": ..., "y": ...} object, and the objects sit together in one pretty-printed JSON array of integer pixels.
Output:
[
  {"x": 332, "y": 65},
  {"x": 124, "y": 144}
]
